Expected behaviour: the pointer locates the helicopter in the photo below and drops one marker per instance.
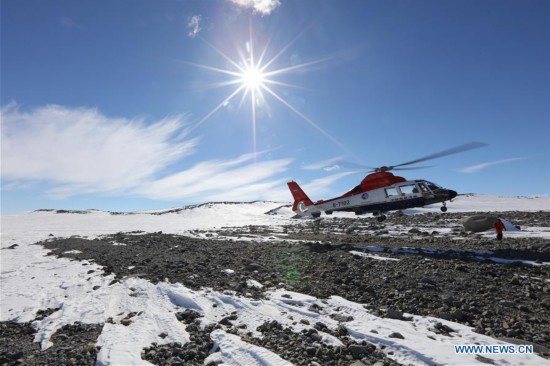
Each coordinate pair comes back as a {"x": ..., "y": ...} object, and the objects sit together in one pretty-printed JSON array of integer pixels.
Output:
[{"x": 382, "y": 191}]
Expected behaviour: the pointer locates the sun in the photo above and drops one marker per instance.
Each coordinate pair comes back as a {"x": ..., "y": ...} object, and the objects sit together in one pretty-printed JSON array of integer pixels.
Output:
[{"x": 255, "y": 77}]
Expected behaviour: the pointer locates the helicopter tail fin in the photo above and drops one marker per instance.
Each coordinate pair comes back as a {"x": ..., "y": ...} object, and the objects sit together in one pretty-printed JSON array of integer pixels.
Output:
[{"x": 301, "y": 200}]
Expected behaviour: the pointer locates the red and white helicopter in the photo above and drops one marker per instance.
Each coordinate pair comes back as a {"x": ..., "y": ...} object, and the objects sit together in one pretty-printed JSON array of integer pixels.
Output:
[{"x": 382, "y": 191}]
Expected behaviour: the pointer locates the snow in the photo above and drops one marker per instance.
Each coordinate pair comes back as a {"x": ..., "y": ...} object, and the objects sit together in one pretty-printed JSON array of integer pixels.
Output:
[
  {"x": 373, "y": 256},
  {"x": 487, "y": 203},
  {"x": 236, "y": 352},
  {"x": 32, "y": 281},
  {"x": 481, "y": 255}
]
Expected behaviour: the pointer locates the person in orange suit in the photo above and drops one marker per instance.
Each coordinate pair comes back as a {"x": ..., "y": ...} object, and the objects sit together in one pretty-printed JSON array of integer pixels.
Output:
[{"x": 499, "y": 228}]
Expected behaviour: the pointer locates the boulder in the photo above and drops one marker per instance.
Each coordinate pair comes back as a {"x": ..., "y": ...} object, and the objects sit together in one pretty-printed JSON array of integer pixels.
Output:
[{"x": 479, "y": 223}]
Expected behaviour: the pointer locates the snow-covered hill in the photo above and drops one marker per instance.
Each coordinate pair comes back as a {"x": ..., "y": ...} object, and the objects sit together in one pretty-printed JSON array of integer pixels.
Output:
[
  {"x": 488, "y": 203},
  {"x": 32, "y": 281}
]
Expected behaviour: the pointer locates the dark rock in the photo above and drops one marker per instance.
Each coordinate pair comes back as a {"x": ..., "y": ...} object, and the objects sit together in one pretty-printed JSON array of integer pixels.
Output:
[
  {"x": 341, "y": 318},
  {"x": 444, "y": 328},
  {"x": 188, "y": 316},
  {"x": 358, "y": 351},
  {"x": 225, "y": 321},
  {"x": 341, "y": 330},
  {"x": 253, "y": 267},
  {"x": 396, "y": 335},
  {"x": 485, "y": 360},
  {"x": 458, "y": 315},
  {"x": 311, "y": 351},
  {"x": 394, "y": 314}
]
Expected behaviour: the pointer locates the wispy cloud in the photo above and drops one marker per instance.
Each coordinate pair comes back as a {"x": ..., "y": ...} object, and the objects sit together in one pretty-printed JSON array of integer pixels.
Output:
[
  {"x": 478, "y": 167},
  {"x": 327, "y": 165},
  {"x": 322, "y": 186},
  {"x": 83, "y": 151},
  {"x": 69, "y": 23},
  {"x": 194, "y": 26},
  {"x": 264, "y": 7},
  {"x": 234, "y": 179}
]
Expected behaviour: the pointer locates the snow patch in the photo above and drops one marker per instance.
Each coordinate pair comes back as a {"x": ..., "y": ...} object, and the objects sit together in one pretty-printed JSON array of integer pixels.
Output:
[
  {"x": 373, "y": 256},
  {"x": 234, "y": 351}
]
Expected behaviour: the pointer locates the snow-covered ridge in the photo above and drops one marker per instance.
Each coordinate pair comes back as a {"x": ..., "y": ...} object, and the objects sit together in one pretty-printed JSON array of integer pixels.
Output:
[
  {"x": 487, "y": 203},
  {"x": 467, "y": 202},
  {"x": 175, "y": 221},
  {"x": 162, "y": 211}
]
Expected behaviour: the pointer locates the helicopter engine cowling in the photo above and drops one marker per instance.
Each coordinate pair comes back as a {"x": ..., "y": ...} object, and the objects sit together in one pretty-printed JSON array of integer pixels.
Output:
[{"x": 380, "y": 179}]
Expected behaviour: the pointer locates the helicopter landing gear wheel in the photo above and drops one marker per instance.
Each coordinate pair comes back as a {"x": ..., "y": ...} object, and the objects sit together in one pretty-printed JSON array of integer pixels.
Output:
[
  {"x": 444, "y": 207},
  {"x": 381, "y": 218}
]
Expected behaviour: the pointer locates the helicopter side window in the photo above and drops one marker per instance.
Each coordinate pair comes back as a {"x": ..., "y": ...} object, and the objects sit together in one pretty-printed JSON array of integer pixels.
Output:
[
  {"x": 391, "y": 192},
  {"x": 408, "y": 189}
]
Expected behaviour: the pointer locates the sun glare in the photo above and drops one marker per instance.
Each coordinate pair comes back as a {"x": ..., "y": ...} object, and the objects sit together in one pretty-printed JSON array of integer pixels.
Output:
[{"x": 254, "y": 76}]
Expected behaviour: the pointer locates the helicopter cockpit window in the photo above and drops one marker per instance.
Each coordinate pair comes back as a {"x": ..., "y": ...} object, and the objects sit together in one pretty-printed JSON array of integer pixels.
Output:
[
  {"x": 408, "y": 189},
  {"x": 391, "y": 192},
  {"x": 433, "y": 186},
  {"x": 423, "y": 187}
]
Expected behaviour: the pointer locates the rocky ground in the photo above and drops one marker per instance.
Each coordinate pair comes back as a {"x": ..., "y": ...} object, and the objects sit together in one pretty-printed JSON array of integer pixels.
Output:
[
  {"x": 72, "y": 345},
  {"x": 445, "y": 277}
]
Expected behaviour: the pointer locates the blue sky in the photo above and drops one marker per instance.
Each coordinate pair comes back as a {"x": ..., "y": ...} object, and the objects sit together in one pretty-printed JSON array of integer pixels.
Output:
[{"x": 124, "y": 105}]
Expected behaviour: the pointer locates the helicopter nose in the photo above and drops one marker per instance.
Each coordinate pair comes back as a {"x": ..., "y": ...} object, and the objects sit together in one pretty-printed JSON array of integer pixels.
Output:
[{"x": 452, "y": 194}]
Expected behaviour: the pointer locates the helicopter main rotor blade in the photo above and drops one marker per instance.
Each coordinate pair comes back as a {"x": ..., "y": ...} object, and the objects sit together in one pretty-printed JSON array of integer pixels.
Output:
[
  {"x": 414, "y": 167},
  {"x": 454, "y": 150},
  {"x": 350, "y": 165}
]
